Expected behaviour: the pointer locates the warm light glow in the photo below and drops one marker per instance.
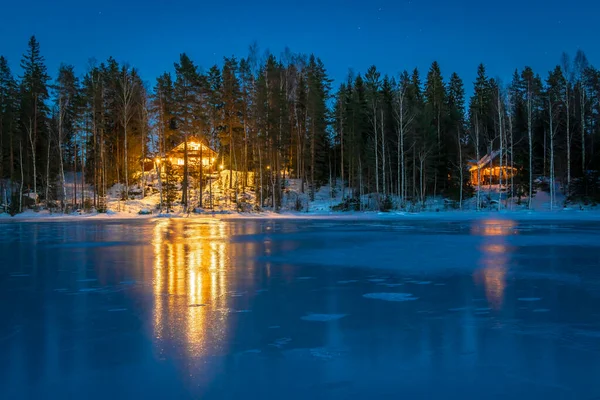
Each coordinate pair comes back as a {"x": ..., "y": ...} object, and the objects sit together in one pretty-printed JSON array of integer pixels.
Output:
[
  {"x": 191, "y": 292},
  {"x": 495, "y": 258},
  {"x": 494, "y": 227},
  {"x": 268, "y": 167},
  {"x": 221, "y": 166},
  {"x": 157, "y": 160}
]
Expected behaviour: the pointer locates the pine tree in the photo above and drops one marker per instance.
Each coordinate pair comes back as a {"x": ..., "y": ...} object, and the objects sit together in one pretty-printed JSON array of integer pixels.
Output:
[
  {"x": 318, "y": 120},
  {"x": 8, "y": 123},
  {"x": 170, "y": 187},
  {"x": 163, "y": 107},
  {"x": 456, "y": 124},
  {"x": 435, "y": 98},
  {"x": 479, "y": 114},
  {"x": 34, "y": 94},
  {"x": 190, "y": 113}
]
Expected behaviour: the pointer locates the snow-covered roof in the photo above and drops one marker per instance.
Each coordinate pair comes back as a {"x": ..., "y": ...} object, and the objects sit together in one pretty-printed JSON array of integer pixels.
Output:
[
  {"x": 195, "y": 147},
  {"x": 485, "y": 160}
]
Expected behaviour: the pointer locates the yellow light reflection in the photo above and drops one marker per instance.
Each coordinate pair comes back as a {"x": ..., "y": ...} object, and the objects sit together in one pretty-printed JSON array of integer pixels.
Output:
[
  {"x": 494, "y": 227},
  {"x": 495, "y": 258},
  {"x": 190, "y": 283}
]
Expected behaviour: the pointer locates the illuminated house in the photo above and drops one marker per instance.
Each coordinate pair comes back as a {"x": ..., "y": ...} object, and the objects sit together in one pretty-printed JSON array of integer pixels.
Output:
[
  {"x": 490, "y": 170},
  {"x": 198, "y": 153}
]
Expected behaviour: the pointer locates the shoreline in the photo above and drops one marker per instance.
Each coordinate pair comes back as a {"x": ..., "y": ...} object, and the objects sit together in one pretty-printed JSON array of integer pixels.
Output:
[{"x": 456, "y": 215}]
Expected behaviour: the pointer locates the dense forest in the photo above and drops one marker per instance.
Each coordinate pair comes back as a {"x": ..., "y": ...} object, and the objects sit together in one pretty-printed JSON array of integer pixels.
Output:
[{"x": 399, "y": 139}]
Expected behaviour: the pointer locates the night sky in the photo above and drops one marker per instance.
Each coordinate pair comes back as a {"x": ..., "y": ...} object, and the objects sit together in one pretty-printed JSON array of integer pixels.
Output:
[{"x": 393, "y": 35}]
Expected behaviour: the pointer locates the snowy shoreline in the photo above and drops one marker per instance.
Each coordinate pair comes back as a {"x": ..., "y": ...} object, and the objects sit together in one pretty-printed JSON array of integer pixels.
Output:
[{"x": 517, "y": 215}]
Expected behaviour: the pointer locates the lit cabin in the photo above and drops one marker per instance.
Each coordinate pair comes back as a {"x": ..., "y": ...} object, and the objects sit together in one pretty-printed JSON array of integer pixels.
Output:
[
  {"x": 490, "y": 170},
  {"x": 198, "y": 153}
]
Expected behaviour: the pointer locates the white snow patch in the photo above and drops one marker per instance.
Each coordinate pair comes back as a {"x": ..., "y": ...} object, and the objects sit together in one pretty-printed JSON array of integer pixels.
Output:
[{"x": 390, "y": 296}]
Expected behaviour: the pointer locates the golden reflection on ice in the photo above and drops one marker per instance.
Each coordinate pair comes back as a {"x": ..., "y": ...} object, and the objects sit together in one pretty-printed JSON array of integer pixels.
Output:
[
  {"x": 190, "y": 283},
  {"x": 495, "y": 258}
]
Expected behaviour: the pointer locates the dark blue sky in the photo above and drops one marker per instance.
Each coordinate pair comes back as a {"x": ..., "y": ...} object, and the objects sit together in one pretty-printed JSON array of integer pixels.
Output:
[{"x": 394, "y": 35}]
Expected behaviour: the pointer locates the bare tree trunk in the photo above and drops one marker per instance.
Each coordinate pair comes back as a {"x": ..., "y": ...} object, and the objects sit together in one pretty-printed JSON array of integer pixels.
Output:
[
  {"x": 32, "y": 141},
  {"x": 200, "y": 202},
  {"x": 500, "y": 125},
  {"x": 342, "y": 158},
  {"x": 512, "y": 169},
  {"x": 374, "y": 106},
  {"x": 530, "y": 140},
  {"x": 184, "y": 185},
  {"x": 360, "y": 184},
  {"x": 260, "y": 169},
  {"x": 95, "y": 139},
  {"x": 582, "y": 112},
  {"x": 160, "y": 185},
  {"x": 477, "y": 156},
  {"x": 47, "y": 196},
  {"x": 414, "y": 172},
  {"x": 312, "y": 164},
  {"x": 460, "y": 167},
  {"x": 126, "y": 94},
  {"x": 421, "y": 184},
  {"x": 230, "y": 156},
  {"x": 551, "y": 117},
  {"x": 75, "y": 175},
  {"x": 82, "y": 165},
  {"x": 383, "y": 153},
  {"x": 22, "y": 176},
  {"x": 568, "y": 121}
]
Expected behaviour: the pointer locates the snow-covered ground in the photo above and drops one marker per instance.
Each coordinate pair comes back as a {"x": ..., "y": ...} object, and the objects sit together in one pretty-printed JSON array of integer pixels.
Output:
[{"x": 297, "y": 205}]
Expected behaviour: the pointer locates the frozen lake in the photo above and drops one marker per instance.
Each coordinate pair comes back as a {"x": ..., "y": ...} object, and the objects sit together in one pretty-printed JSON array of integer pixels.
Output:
[{"x": 283, "y": 309}]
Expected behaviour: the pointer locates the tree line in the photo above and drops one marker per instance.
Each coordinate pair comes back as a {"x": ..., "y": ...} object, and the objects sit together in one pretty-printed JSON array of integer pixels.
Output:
[{"x": 395, "y": 140}]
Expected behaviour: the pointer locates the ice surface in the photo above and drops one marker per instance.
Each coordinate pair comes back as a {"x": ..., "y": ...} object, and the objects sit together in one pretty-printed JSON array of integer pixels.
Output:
[
  {"x": 181, "y": 308},
  {"x": 323, "y": 317},
  {"x": 390, "y": 296}
]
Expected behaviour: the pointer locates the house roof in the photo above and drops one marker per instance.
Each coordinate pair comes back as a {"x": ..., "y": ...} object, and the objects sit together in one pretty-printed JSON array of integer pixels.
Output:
[
  {"x": 196, "y": 148},
  {"x": 485, "y": 160}
]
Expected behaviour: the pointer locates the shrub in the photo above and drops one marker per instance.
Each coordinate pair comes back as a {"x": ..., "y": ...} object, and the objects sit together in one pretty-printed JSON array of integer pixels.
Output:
[{"x": 348, "y": 204}]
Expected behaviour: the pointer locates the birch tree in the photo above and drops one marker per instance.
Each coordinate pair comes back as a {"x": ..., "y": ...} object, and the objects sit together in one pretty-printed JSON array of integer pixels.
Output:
[{"x": 127, "y": 91}]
